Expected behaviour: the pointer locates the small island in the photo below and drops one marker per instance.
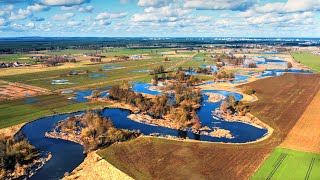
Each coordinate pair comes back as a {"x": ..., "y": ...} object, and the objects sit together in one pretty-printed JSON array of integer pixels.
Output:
[{"x": 91, "y": 131}]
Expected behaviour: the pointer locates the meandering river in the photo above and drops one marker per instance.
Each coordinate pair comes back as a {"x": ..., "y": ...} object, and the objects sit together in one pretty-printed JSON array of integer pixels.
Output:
[{"x": 67, "y": 155}]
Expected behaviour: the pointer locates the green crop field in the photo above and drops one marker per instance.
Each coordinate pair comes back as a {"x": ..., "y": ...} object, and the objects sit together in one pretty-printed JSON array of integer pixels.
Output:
[
  {"x": 308, "y": 59},
  {"x": 196, "y": 63},
  {"x": 290, "y": 164}
]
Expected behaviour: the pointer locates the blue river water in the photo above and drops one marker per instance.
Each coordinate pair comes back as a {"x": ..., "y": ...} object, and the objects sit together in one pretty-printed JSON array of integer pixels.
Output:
[
  {"x": 144, "y": 88},
  {"x": 280, "y": 72},
  {"x": 68, "y": 155}
]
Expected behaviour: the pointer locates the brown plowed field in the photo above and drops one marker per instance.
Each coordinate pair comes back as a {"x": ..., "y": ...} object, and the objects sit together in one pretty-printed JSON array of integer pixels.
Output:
[
  {"x": 305, "y": 135},
  {"x": 282, "y": 100}
]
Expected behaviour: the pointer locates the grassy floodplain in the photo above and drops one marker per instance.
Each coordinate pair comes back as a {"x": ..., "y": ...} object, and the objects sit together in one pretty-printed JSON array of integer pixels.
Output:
[
  {"x": 289, "y": 164},
  {"x": 308, "y": 59},
  {"x": 43, "y": 79}
]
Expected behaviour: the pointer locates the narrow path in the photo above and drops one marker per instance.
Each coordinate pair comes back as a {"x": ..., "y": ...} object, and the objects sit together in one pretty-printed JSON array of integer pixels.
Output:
[
  {"x": 181, "y": 62},
  {"x": 26, "y": 86}
]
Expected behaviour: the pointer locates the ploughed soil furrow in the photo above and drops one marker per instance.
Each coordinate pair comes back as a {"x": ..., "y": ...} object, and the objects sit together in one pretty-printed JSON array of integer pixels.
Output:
[
  {"x": 282, "y": 100},
  {"x": 305, "y": 135}
]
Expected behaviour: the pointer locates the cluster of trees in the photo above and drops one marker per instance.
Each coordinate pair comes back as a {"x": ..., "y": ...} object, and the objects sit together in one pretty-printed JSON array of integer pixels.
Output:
[
  {"x": 158, "y": 70},
  {"x": 126, "y": 95},
  {"x": 187, "y": 100},
  {"x": 56, "y": 59},
  {"x": 230, "y": 59},
  {"x": 15, "y": 152},
  {"x": 181, "y": 77},
  {"x": 120, "y": 58},
  {"x": 223, "y": 75},
  {"x": 95, "y": 60},
  {"x": 96, "y": 131},
  {"x": 232, "y": 106},
  {"x": 204, "y": 70},
  {"x": 157, "y": 107},
  {"x": 248, "y": 90},
  {"x": 182, "y": 110},
  {"x": 250, "y": 64}
]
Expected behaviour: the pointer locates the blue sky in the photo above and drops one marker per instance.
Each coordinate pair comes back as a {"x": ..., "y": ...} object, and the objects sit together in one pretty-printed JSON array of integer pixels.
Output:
[{"x": 160, "y": 18}]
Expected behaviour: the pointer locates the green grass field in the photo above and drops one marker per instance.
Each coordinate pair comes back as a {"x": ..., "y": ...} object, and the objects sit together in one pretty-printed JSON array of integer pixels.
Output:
[
  {"x": 290, "y": 164},
  {"x": 15, "y": 57},
  {"x": 43, "y": 79},
  {"x": 308, "y": 59},
  {"x": 17, "y": 111}
]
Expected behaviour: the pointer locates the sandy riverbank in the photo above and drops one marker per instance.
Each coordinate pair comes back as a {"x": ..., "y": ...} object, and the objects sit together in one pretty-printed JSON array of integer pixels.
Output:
[
  {"x": 11, "y": 131},
  {"x": 146, "y": 119},
  {"x": 95, "y": 167},
  {"x": 214, "y": 97}
]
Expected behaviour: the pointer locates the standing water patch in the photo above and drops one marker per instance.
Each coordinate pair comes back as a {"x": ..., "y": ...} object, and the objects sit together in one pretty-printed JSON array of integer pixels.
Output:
[
  {"x": 145, "y": 88},
  {"x": 97, "y": 76},
  {"x": 143, "y": 71},
  {"x": 31, "y": 100},
  {"x": 61, "y": 82}
]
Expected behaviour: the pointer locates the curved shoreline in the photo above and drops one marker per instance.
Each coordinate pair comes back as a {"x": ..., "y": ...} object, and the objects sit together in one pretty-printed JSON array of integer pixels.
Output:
[{"x": 269, "y": 133}]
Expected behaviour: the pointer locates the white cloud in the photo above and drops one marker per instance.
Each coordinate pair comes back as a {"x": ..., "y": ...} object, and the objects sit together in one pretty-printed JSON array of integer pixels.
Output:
[
  {"x": 63, "y": 17},
  {"x": 278, "y": 19},
  {"x": 235, "y": 5},
  {"x": 103, "y": 22},
  {"x": 21, "y": 27},
  {"x": 77, "y": 8},
  {"x": 170, "y": 13},
  {"x": 106, "y": 15},
  {"x": 302, "y": 5},
  {"x": 5, "y": 10},
  {"x": 30, "y": 25},
  {"x": 3, "y": 22},
  {"x": 86, "y": 9},
  {"x": 73, "y": 23},
  {"x": 37, "y": 7},
  {"x": 20, "y": 15},
  {"x": 154, "y": 3},
  {"x": 62, "y": 2}
]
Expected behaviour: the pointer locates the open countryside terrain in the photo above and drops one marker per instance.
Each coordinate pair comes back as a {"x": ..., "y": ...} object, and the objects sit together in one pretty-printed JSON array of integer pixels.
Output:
[
  {"x": 141, "y": 158},
  {"x": 293, "y": 95},
  {"x": 159, "y": 89}
]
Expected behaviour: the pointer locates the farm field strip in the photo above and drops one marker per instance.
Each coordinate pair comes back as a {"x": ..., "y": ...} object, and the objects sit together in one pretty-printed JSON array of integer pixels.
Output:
[
  {"x": 305, "y": 135},
  {"x": 308, "y": 59},
  {"x": 290, "y": 164}
]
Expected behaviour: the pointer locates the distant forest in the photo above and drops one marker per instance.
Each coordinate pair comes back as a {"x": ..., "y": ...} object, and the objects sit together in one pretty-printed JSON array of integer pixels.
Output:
[{"x": 27, "y": 44}]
